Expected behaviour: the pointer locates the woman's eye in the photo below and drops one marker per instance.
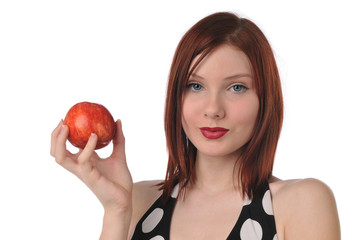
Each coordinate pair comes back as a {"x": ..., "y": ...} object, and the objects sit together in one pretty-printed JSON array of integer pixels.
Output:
[
  {"x": 195, "y": 86},
  {"x": 238, "y": 88}
]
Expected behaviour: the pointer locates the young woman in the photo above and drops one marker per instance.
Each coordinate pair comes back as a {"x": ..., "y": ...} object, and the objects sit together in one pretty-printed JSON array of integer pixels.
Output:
[{"x": 223, "y": 118}]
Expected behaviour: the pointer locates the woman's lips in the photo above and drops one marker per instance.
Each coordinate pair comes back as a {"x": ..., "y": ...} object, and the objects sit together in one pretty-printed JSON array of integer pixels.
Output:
[{"x": 213, "y": 133}]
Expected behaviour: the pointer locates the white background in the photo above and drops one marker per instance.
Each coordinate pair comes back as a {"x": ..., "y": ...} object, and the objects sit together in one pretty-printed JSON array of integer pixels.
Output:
[{"x": 54, "y": 54}]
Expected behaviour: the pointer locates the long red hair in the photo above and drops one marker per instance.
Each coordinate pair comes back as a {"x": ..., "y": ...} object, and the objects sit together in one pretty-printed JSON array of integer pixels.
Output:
[{"x": 255, "y": 164}]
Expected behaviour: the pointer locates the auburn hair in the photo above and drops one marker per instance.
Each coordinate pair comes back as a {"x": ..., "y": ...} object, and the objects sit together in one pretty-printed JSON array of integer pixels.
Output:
[{"x": 254, "y": 166}]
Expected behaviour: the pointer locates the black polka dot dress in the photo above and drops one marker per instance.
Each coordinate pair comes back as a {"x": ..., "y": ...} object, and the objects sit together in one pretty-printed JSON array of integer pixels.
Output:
[{"x": 256, "y": 220}]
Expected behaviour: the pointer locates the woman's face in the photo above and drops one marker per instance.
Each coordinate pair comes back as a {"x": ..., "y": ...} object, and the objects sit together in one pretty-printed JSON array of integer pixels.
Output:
[{"x": 220, "y": 103}]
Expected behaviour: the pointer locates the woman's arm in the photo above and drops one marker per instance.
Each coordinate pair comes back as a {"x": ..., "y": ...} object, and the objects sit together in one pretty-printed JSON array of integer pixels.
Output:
[{"x": 108, "y": 178}]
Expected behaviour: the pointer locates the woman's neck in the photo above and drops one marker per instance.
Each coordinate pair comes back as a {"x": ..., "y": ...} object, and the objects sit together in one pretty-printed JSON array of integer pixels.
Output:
[{"x": 215, "y": 174}]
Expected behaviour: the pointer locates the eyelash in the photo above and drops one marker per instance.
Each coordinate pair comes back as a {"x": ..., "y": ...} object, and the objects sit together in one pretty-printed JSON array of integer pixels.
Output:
[
  {"x": 192, "y": 85},
  {"x": 244, "y": 88}
]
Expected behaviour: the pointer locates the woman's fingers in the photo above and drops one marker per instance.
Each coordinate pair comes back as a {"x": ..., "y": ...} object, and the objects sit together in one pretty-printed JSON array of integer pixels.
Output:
[
  {"x": 62, "y": 156},
  {"x": 86, "y": 170},
  {"x": 54, "y": 135},
  {"x": 79, "y": 164},
  {"x": 119, "y": 142},
  {"x": 59, "y": 145}
]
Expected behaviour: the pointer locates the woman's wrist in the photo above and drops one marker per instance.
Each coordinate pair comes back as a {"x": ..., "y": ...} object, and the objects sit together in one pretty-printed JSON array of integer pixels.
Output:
[{"x": 116, "y": 225}]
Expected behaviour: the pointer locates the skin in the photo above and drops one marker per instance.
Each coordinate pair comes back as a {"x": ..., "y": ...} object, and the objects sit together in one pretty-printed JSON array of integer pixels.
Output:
[
  {"x": 303, "y": 209},
  {"x": 220, "y": 93}
]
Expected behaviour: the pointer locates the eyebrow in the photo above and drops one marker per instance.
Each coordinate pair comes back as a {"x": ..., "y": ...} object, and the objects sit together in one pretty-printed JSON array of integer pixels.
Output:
[{"x": 241, "y": 75}]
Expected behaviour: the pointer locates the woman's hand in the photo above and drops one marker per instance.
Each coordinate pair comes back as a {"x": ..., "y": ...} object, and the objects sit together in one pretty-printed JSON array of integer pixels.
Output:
[{"x": 109, "y": 178}]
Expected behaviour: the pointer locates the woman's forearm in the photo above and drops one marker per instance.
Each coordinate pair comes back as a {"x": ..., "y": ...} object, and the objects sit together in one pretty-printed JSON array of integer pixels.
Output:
[{"x": 116, "y": 226}]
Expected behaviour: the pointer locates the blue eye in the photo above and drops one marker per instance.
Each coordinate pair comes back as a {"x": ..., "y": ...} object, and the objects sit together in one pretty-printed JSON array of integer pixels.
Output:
[
  {"x": 239, "y": 88},
  {"x": 195, "y": 86}
]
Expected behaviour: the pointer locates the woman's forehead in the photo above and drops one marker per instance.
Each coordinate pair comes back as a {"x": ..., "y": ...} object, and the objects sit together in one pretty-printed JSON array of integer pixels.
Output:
[{"x": 225, "y": 60}]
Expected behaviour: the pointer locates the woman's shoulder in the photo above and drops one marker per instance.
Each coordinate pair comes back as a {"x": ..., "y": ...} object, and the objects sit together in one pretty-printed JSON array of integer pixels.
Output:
[
  {"x": 145, "y": 193},
  {"x": 292, "y": 186},
  {"x": 146, "y": 190},
  {"x": 304, "y": 207}
]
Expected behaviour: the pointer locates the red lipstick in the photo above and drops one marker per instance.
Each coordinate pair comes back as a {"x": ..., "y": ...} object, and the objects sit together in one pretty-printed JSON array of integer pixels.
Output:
[{"x": 213, "y": 133}]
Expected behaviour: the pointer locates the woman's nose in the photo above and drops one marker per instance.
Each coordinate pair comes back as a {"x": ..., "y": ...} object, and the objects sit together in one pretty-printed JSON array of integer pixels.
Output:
[{"x": 214, "y": 108}]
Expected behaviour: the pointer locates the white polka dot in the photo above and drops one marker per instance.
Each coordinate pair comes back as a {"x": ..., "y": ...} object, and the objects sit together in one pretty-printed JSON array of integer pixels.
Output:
[
  {"x": 251, "y": 230},
  {"x": 267, "y": 203},
  {"x": 175, "y": 191},
  {"x": 157, "y": 238},
  {"x": 275, "y": 237},
  {"x": 152, "y": 220},
  {"x": 247, "y": 201}
]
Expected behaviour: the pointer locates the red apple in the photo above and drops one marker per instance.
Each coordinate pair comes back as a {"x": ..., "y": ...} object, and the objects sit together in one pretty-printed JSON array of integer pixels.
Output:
[{"x": 85, "y": 118}]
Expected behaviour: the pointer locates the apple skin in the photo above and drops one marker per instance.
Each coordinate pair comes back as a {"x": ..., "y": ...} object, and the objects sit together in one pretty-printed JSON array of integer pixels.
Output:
[{"x": 85, "y": 118}]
